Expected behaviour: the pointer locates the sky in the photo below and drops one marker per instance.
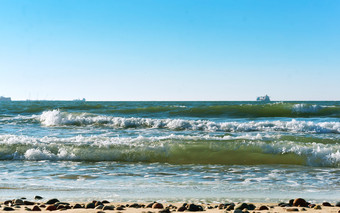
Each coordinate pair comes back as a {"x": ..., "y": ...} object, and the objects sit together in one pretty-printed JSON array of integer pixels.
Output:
[{"x": 170, "y": 50}]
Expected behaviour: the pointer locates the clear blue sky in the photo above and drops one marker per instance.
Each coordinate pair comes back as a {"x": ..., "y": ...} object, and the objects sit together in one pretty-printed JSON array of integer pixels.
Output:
[{"x": 170, "y": 49}]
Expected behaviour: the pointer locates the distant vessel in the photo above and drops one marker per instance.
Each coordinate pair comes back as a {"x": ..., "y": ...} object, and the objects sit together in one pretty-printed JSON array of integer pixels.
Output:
[
  {"x": 2, "y": 98},
  {"x": 80, "y": 100},
  {"x": 263, "y": 98}
]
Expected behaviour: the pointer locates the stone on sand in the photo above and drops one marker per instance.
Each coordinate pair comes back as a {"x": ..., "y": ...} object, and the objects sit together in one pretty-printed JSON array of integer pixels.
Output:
[
  {"x": 90, "y": 206},
  {"x": 52, "y": 201},
  {"x": 157, "y": 206},
  {"x": 18, "y": 202},
  {"x": 36, "y": 208},
  {"x": 300, "y": 202},
  {"x": 6, "y": 208},
  {"x": 51, "y": 208},
  {"x": 109, "y": 207}
]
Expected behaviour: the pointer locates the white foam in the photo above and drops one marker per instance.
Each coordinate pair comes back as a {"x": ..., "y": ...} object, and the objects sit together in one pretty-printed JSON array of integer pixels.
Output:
[
  {"x": 304, "y": 108},
  {"x": 57, "y": 118},
  {"x": 98, "y": 140},
  {"x": 99, "y": 148}
]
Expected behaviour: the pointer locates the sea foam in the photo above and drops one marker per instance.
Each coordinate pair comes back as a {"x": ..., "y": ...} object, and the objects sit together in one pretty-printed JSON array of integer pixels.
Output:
[
  {"x": 304, "y": 108},
  {"x": 58, "y": 118},
  {"x": 181, "y": 149}
]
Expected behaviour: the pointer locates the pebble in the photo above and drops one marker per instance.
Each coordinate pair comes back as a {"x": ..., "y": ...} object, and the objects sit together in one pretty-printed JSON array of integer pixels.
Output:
[
  {"x": 51, "y": 208},
  {"x": 77, "y": 206},
  {"x": 90, "y": 206},
  {"x": 109, "y": 207},
  {"x": 337, "y": 204},
  {"x": 317, "y": 207},
  {"x": 28, "y": 203},
  {"x": 292, "y": 210},
  {"x": 182, "y": 209},
  {"x": 326, "y": 204},
  {"x": 195, "y": 208},
  {"x": 6, "y": 208},
  {"x": 300, "y": 202},
  {"x": 263, "y": 208},
  {"x": 135, "y": 205},
  {"x": 120, "y": 208},
  {"x": 157, "y": 206},
  {"x": 251, "y": 206},
  {"x": 241, "y": 206},
  {"x": 52, "y": 201},
  {"x": 238, "y": 211},
  {"x": 36, "y": 208},
  {"x": 37, "y": 197},
  {"x": 105, "y": 201},
  {"x": 18, "y": 202},
  {"x": 100, "y": 212}
]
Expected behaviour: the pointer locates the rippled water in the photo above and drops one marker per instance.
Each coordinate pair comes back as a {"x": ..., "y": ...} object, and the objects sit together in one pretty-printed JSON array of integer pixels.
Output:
[{"x": 170, "y": 151}]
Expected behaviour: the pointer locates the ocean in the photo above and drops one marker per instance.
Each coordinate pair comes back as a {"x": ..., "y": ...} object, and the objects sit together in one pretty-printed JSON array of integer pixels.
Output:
[{"x": 170, "y": 151}]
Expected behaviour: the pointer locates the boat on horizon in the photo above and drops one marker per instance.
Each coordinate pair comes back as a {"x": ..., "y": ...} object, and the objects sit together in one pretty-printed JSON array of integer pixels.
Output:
[
  {"x": 5, "y": 99},
  {"x": 79, "y": 100},
  {"x": 263, "y": 98}
]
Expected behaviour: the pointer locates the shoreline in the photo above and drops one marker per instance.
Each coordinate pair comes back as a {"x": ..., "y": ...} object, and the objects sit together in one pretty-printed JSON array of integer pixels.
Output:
[{"x": 293, "y": 205}]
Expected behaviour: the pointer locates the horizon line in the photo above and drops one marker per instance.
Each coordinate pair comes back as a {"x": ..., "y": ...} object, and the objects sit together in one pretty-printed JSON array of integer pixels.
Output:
[{"x": 75, "y": 100}]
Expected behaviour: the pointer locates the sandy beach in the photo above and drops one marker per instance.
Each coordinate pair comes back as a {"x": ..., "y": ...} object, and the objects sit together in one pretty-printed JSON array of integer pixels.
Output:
[{"x": 296, "y": 205}]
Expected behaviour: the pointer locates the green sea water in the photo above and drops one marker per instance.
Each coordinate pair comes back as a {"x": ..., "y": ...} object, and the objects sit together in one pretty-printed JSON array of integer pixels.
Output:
[{"x": 170, "y": 151}]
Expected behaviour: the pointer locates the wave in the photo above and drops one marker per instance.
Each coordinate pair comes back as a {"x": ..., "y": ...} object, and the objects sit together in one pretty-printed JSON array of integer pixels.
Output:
[
  {"x": 58, "y": 118},
  {"x": 174, "y": 149},
  {"x": 239, "y": 110},
  {"x": 183, "y": 109}
]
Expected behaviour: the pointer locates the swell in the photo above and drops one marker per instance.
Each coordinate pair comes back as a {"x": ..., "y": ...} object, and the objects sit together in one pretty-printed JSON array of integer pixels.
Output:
[
  {"x": 174, "y": 149},
  {"x": 237, "y": 110},
  {"x": 58, "y": 118},
  {"x": 263, "y": 110},
  {"x": 32, "y": 107},
  {"x": 181, "y": 109}
]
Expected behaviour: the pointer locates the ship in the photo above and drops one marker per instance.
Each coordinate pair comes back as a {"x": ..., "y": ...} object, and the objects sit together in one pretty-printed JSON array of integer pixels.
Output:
[
  {"x": 5, "y": 99},
  {"x": 263, "y": 98},
  {"x": 79, "y": 100}
]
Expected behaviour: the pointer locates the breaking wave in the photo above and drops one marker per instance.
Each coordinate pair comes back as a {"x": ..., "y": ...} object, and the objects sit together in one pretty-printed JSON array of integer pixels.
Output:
[
  {"x": 58, "y": 118},
  {"x": 176, "y": 149}
]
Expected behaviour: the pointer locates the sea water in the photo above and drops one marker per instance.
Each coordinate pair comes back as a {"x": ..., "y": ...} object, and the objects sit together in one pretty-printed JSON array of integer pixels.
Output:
[{"x": 170, "y": 151}]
